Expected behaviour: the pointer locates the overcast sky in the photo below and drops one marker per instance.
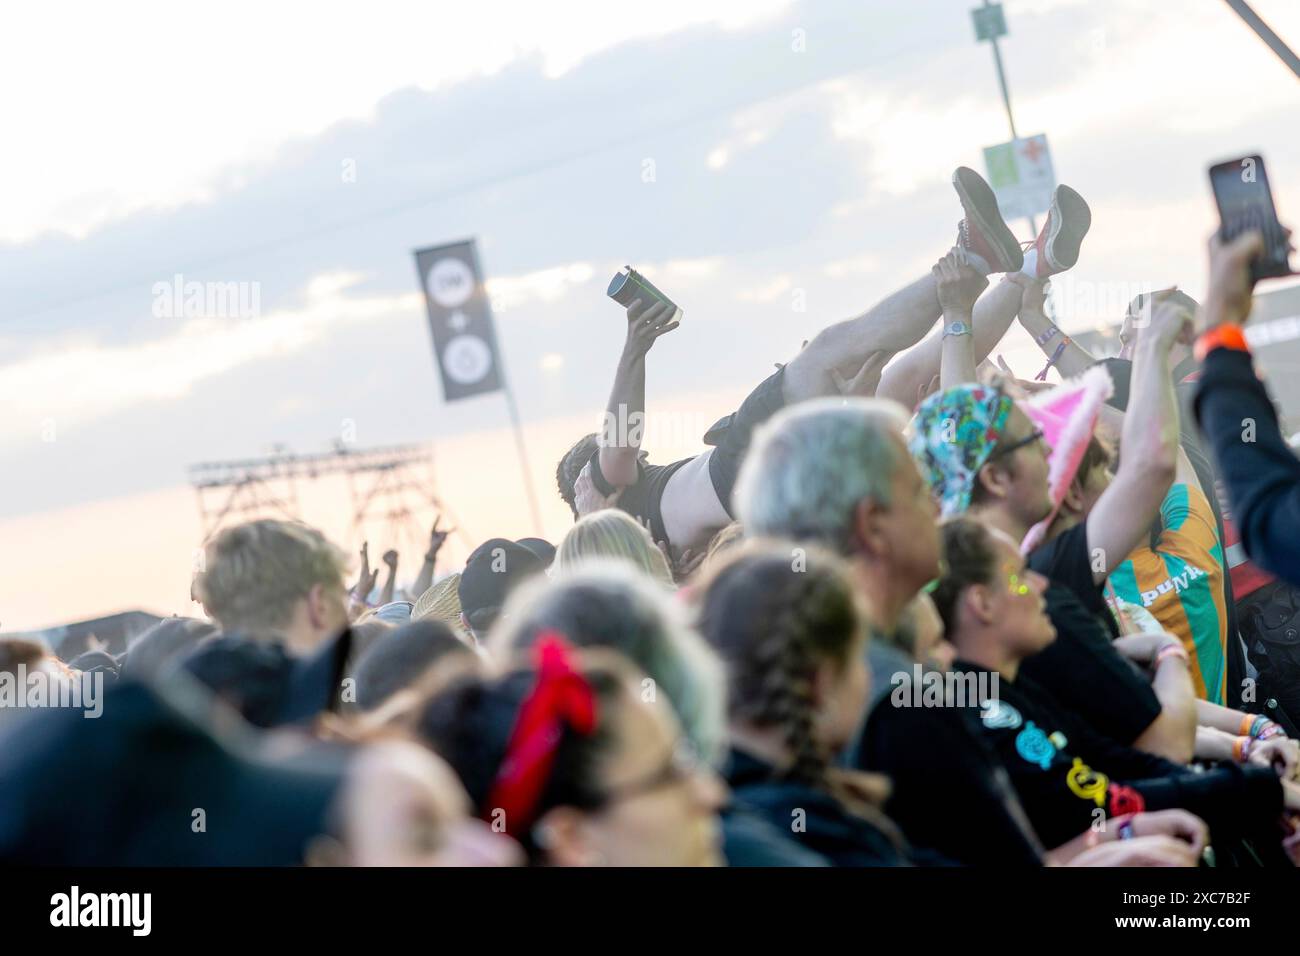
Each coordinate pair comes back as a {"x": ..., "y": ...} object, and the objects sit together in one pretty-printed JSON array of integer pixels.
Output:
[{"x": 801, "y": 152}]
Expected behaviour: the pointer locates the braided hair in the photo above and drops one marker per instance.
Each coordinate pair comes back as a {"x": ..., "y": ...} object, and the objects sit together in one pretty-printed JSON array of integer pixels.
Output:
[{"x": 775, "y": 615}]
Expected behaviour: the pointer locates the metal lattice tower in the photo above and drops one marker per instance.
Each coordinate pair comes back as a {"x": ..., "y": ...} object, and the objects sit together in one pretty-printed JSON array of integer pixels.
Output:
[{"x": 393, "y": 483}]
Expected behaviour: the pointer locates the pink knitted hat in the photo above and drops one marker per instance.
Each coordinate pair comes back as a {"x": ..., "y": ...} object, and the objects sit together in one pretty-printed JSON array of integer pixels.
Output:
[{"x": 1067, "y": 416}]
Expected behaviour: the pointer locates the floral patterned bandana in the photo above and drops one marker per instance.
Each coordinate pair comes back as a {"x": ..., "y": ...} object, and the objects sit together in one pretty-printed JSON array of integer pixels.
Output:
[{"x": 953, "y": 435}]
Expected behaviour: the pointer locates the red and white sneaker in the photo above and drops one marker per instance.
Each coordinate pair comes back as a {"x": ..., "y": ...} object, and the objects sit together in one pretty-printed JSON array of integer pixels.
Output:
[
  {"x": 1062, "y": 234},
  {"x": 983, "y": 231}
]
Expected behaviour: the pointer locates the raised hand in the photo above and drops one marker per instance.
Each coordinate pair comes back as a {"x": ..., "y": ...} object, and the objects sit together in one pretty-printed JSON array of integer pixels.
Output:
[
  {"x": 688, "y": 563},
  {"x": 438, "y": 537},
  {"x": 587, "y": 499},
  {"x": 390, "y": 559},
  {"x": 958, "y": 283},
  {"x": 662, "y": 546},
  {"x": 365, "y": 578},
  {"x": 645, "y": 324},
  {"x": 1170, "y": 323},
  {"x": 1228, "y": 296}
]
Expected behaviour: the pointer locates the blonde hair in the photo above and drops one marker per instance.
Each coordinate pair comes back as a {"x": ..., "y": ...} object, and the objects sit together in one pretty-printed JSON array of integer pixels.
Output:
[
  {"x": 612, "y": 534},
  {"x": 254, "y": 573}
]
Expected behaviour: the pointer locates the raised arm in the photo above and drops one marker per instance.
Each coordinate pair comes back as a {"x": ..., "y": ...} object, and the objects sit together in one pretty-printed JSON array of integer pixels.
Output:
[
  {"x": 390, "y": 583},
  {"x": 625, "y": 414},
  {"x": 437, "y": 537},
  {"x": 1148, "y": 447},
  {"x": 1239, "y": 422},
  {"x": 918, "y": 367},
  {"x": 1063, "y": 353},
  {"x": 958, "y": 285}
]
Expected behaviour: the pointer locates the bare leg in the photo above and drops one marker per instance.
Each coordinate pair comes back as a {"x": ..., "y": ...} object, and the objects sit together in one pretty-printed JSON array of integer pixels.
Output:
[
  {"x": 902, "y": 319},
  {"x": 896, "y": 323}
]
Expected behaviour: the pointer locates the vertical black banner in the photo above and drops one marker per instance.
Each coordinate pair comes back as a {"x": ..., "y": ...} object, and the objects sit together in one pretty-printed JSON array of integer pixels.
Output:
[{"x": 460, "y": 318}]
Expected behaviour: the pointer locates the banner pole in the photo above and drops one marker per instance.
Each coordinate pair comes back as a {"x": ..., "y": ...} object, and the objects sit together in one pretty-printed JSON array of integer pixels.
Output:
[{"x": 527, "y": 473}]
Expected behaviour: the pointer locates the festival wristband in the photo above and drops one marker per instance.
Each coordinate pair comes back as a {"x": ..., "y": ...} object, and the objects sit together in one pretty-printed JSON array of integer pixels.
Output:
[
  {"x": 1126, "y": 827},
  {"x": 1225, "y": 336},
  {"x": 1261, "y": 728},
  {"x": 1047, "y": 336},
  {"x": 1241, "y": 749},
  {"x": 1171, "y": 650},
  {"x": 1056, "y": 357}
]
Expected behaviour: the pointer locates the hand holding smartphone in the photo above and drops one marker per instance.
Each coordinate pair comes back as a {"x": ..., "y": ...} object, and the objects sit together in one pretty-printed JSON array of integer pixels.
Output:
[{"x": 1245, "y": 202}]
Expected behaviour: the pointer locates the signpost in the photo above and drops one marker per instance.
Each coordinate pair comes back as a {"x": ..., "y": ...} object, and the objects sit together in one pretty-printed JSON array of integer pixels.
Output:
[{"x": 990, "y": 23}]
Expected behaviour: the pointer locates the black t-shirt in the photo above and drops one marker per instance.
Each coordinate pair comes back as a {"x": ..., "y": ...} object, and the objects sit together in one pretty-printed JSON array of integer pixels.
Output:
[
  {"x": 644, "y": 498},
  {"x": 1065, "y": 772},
  {"x": 1066, "y": 560},
  {"x": 950, "y": 792},
  {"x": 1086, "y": 676}
]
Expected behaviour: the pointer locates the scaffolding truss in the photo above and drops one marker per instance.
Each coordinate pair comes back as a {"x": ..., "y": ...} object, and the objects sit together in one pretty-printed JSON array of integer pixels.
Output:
[{"x": 393, "y": 484}]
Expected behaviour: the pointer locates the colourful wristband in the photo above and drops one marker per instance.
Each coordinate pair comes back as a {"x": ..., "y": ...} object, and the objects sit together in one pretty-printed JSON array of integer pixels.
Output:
[
  {"x": 1056, "y": 356},
  {"x": 1226, "y": 336}
]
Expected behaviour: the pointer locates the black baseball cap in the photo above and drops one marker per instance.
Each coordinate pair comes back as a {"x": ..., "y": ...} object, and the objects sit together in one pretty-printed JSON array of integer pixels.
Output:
[{"x": 496, "y": 567}]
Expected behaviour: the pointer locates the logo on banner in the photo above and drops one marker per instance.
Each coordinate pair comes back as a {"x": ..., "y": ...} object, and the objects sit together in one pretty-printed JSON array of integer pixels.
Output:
[
  {"x": 466, "y": 359},
  {"x": 450, "y": 282}
]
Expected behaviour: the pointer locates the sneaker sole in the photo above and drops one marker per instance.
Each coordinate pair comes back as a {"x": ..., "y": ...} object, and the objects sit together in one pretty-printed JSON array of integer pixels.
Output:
[
  {"x": 981, "y": 205},
  {"x": 1071, "y": 219}
]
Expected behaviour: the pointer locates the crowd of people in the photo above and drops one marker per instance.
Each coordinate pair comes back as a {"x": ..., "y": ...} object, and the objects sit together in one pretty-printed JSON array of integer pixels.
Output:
[{"x": 904, "y": 609}]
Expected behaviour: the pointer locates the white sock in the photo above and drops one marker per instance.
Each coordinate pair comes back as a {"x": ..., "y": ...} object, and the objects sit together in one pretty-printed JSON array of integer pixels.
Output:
[
  {"x": 1030, "y": 268},
  {"x": 979, "y": 263}
]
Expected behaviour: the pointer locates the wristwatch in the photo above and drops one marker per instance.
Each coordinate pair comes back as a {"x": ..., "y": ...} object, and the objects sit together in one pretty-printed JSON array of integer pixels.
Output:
[{"x": 957, "y": 327}]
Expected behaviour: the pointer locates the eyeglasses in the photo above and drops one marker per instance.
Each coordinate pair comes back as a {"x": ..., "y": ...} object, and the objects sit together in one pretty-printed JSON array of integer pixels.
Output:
[
  {"x": 1001, "y": 450},
  {"x": 682, "y": 765}
]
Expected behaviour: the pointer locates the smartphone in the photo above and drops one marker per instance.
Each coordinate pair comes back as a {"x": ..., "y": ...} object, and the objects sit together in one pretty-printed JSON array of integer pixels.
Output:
[{"x": 1245, "y": 202}]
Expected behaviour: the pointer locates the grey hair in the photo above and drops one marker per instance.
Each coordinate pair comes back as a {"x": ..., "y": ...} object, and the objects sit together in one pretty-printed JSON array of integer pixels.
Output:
[
  {"x": 606, "y": 603},
  {"x": 811, "y": 465}
]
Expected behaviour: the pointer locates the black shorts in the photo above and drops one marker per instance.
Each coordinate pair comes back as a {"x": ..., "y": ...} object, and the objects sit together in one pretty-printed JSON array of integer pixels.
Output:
[{"x": 732, "y": 442}]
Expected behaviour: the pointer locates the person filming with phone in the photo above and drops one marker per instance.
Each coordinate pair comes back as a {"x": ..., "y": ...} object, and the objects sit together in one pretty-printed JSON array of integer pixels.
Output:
[{"x": 1233, "y": 408}]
